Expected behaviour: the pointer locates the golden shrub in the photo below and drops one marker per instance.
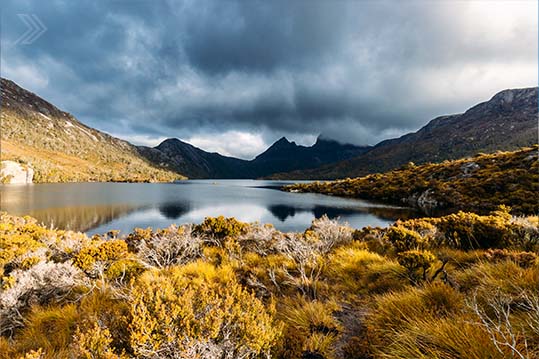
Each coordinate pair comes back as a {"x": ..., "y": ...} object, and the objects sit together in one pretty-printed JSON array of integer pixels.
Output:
[
  {"x": 172, "y": 309},
  {"x": 105, "y": 251},
  {"x": 94, "y": 343},
  {"x": 404, "y": 239},
  {"x": 221, "y": 227}
]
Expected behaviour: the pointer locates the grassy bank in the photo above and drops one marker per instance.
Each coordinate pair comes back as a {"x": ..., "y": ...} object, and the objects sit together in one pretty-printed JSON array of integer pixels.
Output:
[
  {"x": 460, "y": 286},
  {"x": 479, "y": 183}
]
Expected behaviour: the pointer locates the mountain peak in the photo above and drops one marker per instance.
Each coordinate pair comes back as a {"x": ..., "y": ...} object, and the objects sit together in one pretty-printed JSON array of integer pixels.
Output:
[
  {"x": 171, "y": 142},
  {"x": 507, "y": 101},
  {"x": 283, "y": 141},
  {"x": 322, "y": 139}
]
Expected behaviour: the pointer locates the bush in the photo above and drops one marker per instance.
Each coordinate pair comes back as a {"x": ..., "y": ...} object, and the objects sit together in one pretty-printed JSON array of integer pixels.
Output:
[
  {"x": 50, "y": 329},
  {"x": 220, "y": 228},
  {"x": 470, "y": 231},
  {"x": 440, "y": 338},
  {"x": 94, "y": 343},
  {"x": 505, "y": 276},
  {"x": 356, "y": 271},
  {"x": 90, "y": 259},
  {"x": 394, "y": 314},
  {"x": 181, "y": 308},
  {"x": 44, "y": 283},
  {"x": 329, "y": 232},
  {"x": 163, "y": 248},
  {"x": 416, "y": 261},
  {"x": 404, "y": 239},
  {"x": 124, "y": 270}
]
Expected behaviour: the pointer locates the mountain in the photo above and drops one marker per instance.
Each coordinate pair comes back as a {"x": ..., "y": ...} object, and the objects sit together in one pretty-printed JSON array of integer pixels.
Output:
[
  {"x": 195, "y": 163},
  {"x": 34, "y": 133},
  {"x": 282, "y": 156},
  {"x": 508, "y": 121},
  {"x": 59, "y": 148}
]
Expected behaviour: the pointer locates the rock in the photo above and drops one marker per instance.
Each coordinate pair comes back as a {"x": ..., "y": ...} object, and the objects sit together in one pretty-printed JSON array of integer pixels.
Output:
[
  {"x": 532, "y": 157},
  {"x": 468, "y": 168},
  {"x": 427, "y": 202},
  {"x": 15, "y": 173}
]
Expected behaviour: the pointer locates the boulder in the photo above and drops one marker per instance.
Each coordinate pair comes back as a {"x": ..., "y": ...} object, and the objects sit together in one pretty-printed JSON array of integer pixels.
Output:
[
  {"x": 427, "y": 201},
  {"x": 15, "y": 173},
  {"x": 468, "y": 168}
]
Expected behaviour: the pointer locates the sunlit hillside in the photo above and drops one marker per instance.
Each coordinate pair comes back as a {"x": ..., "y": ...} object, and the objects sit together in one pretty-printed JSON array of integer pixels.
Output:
[
  {"x": 477, "y": 183},
  {"x": 61, "y": 149}
]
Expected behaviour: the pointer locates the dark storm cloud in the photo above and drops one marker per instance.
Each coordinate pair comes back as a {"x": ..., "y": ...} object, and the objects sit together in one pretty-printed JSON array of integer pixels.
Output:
[{"x": 357, "y": 71}]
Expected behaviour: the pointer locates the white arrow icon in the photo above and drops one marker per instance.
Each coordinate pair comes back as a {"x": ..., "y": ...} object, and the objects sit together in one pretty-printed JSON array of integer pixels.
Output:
[{"x": 34, "y": 31}]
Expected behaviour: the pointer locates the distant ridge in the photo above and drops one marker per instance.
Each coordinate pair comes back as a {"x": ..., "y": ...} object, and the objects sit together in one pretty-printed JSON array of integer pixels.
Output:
[
  {"x": 283, "y": 155},
  {"x": 508, "y": 121}
]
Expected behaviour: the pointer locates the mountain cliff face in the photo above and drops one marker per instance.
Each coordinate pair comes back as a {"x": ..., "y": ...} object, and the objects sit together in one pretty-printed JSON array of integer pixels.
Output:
[
  {"x": 283, "y": 155},
  {"x": 60, "y": 148},
  {"x": 508, "y": 121}
]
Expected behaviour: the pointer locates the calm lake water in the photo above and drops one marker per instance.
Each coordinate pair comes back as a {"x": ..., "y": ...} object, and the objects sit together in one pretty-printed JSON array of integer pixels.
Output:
[{"x": 100, "y": 207}]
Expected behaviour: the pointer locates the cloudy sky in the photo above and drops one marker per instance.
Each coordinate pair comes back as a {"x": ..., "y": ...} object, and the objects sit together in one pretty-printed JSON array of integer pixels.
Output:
[{"x": 234, "y": 76}]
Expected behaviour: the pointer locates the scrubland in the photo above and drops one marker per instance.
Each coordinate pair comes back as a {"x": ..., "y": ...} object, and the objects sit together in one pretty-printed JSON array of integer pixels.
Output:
[
  {"x": 459, "y": 286},
  {"x": 476, "y": 184}
]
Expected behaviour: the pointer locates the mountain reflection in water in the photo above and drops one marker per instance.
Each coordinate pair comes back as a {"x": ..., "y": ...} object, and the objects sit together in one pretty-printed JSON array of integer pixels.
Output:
[
  {"x": 101, "y": 207},
  {"x": 82, "y": 218}
]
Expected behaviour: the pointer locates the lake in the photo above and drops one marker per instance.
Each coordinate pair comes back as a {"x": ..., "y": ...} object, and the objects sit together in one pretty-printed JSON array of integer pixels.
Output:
[{"x": 100, "y": 207}]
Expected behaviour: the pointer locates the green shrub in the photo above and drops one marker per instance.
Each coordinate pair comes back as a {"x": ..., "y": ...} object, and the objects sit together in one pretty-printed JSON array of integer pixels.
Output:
[
  {"x": 221, "y": 227},
  {"x": 416, "y": 261},
  {"x": 404, "y": 239}
]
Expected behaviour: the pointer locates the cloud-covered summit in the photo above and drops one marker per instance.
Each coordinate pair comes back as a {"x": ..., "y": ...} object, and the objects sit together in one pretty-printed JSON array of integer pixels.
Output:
[{"x": 219, "y": 72}]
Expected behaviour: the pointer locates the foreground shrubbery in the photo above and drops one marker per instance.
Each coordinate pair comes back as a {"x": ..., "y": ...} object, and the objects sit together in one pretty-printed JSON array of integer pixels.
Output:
[
  {"x": 460, "y": 286},
  {"x": 480, "y": 184}
]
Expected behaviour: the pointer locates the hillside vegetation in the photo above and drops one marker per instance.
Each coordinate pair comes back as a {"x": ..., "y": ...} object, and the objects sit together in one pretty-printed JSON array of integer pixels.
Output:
[
  {"x": 462, "y": 286},
  {"x": 480, "y": 183},
  {"x": 61, "y": 149}
]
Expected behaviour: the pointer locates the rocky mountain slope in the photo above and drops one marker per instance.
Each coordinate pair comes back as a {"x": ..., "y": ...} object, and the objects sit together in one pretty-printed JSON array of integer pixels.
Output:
[
  {"x": 60, "y": 148},
  {"x": 508, "y": 121},
  {"x": 283, "y": 155}
]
